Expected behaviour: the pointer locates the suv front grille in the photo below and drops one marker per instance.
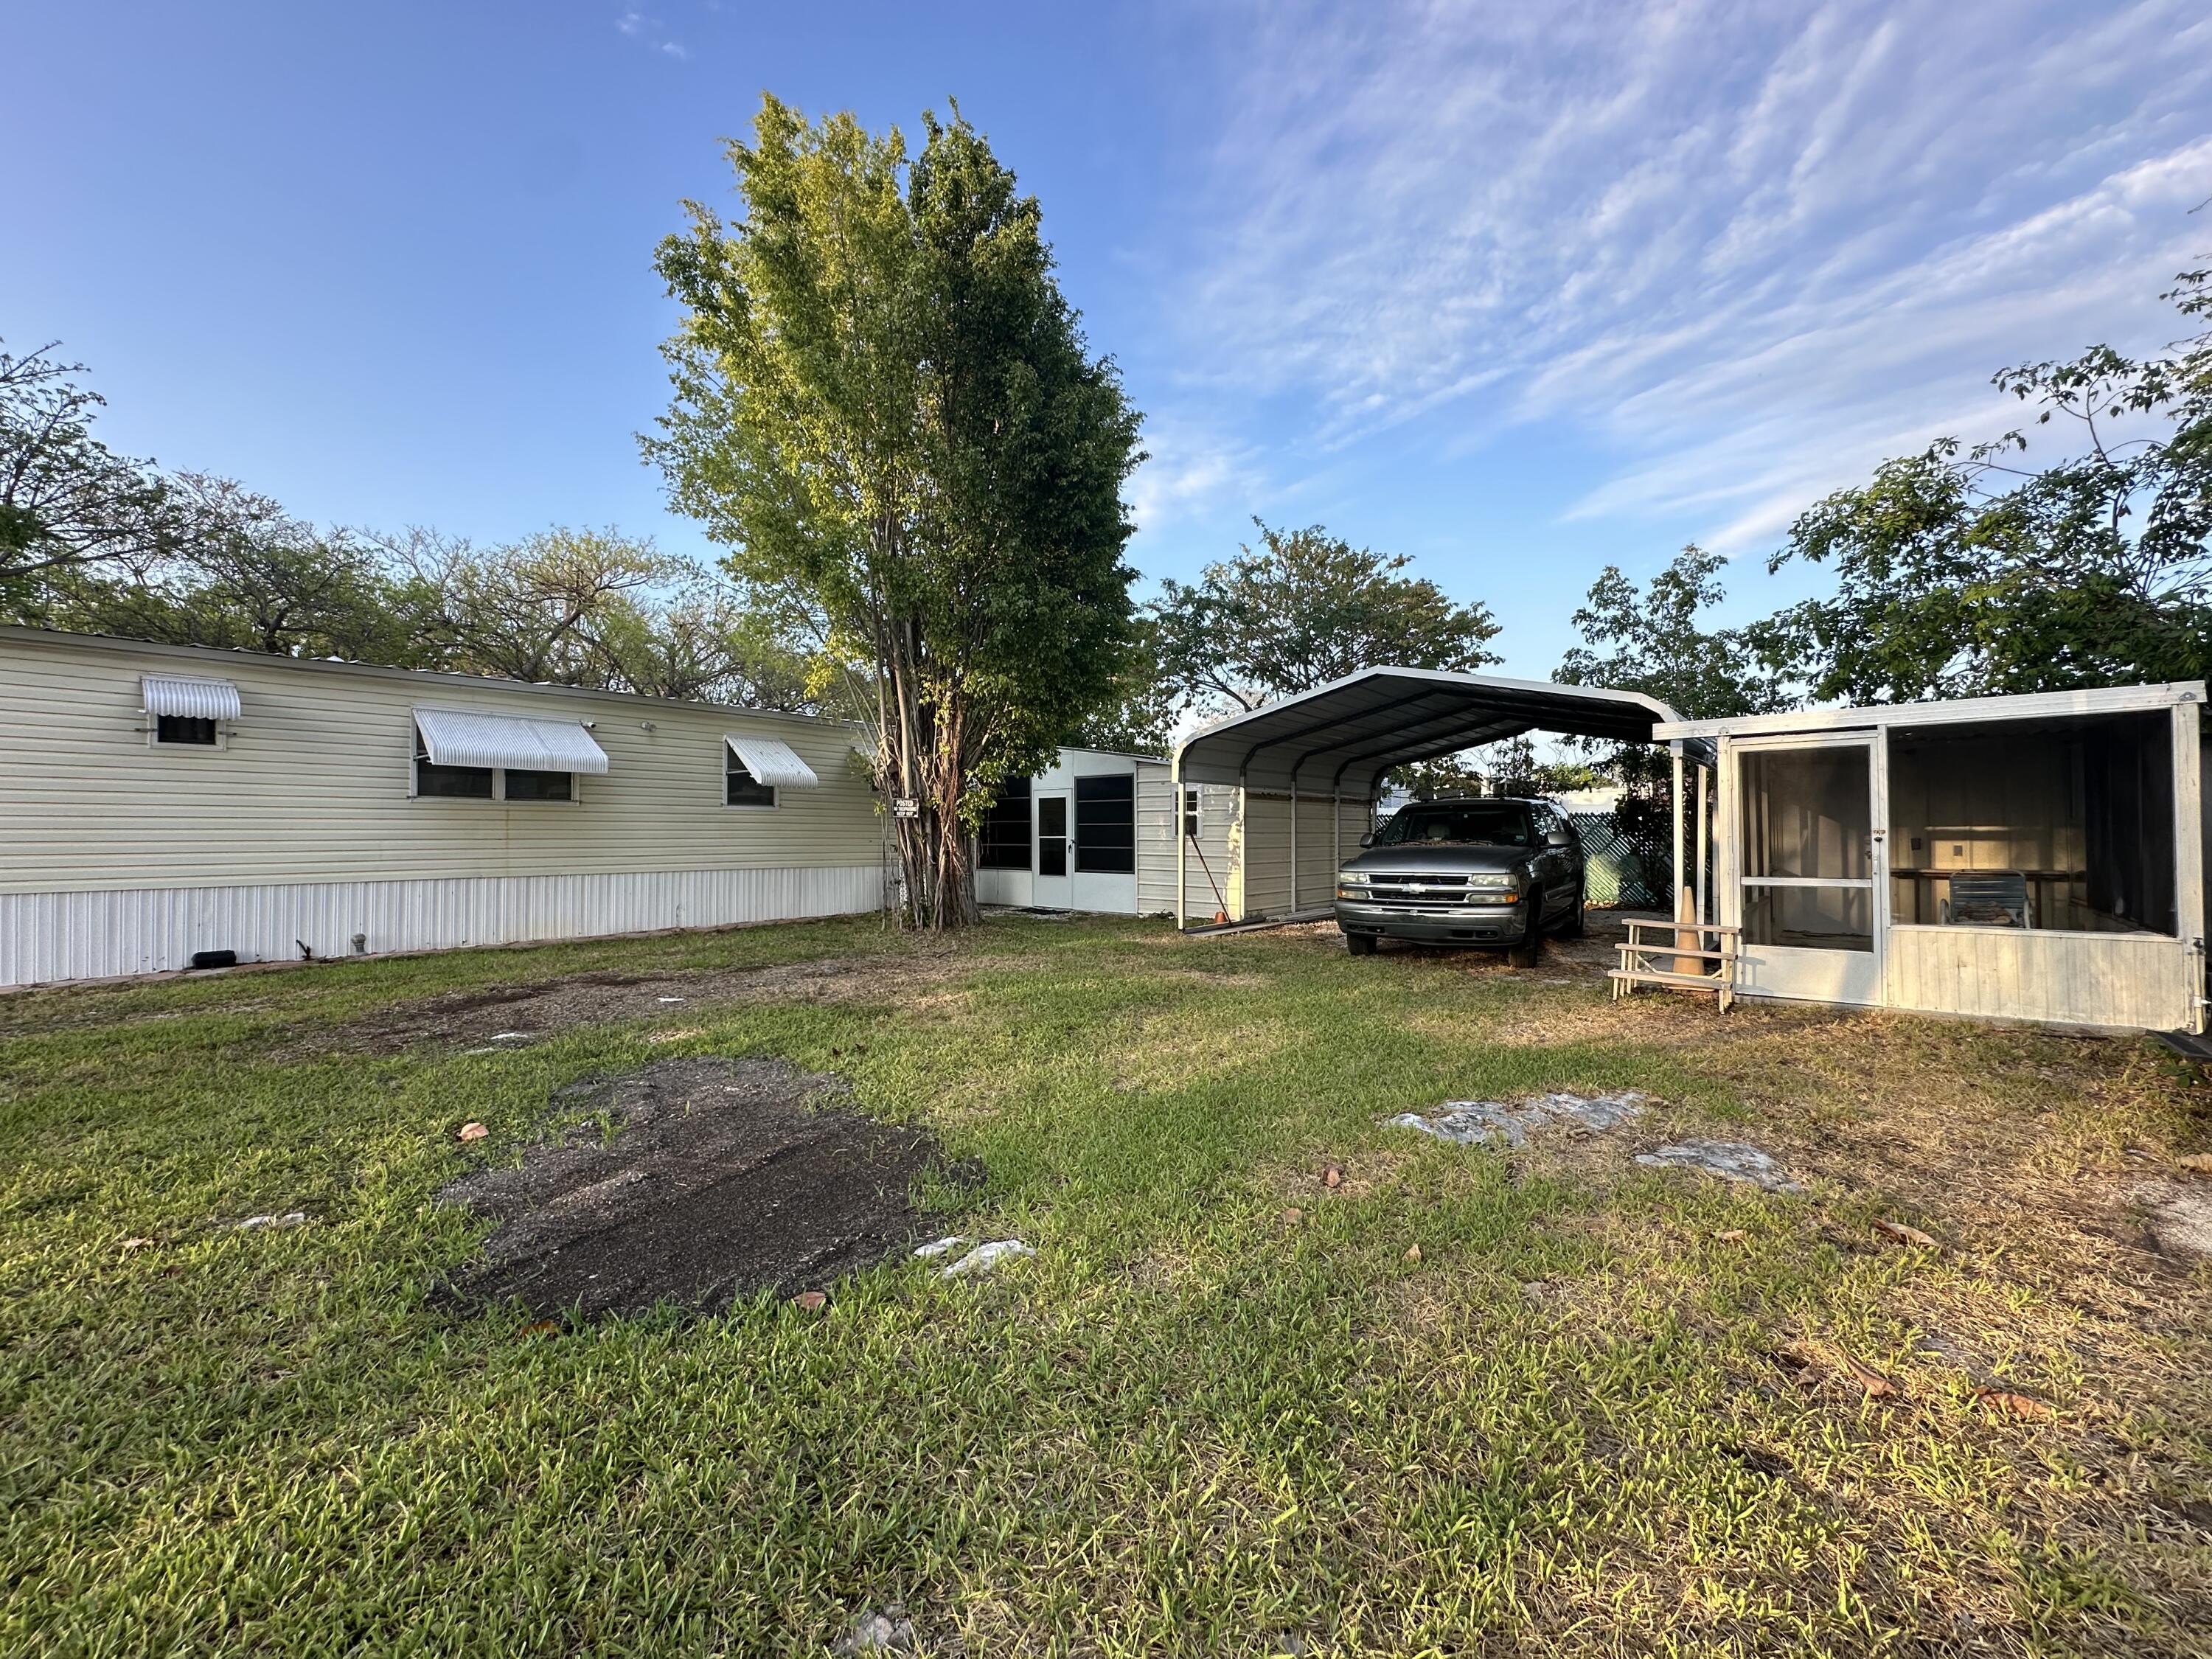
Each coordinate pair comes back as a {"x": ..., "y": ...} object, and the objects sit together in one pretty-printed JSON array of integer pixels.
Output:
[{"x": 1425, "y": 889}]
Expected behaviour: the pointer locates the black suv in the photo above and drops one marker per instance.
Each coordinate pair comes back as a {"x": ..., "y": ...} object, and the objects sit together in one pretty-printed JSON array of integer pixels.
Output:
[{"x": 1499, "y": 873}]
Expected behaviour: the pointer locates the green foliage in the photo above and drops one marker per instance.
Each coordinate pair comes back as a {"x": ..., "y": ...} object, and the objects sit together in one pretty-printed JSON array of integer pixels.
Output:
[
  {"x": 884, "y": 407},
  {"x": 1656, "y": 642},
  {"x": 1966, "y": 576},
  {"x": 66, "y": 500},
  {"x": 1306, "y": 608},
  {"x": 240, "y": 573},
  {"x": 1511, "y": 767},
  {"x": 1140, "y": 719}
]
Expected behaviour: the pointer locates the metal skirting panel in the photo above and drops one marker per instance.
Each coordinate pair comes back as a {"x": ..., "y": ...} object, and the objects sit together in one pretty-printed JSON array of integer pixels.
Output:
[{"x": 57, "y": 936}]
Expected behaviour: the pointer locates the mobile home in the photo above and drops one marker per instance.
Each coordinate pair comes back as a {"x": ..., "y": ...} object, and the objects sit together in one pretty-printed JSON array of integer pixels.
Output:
[{"x": 160, "y": 801}]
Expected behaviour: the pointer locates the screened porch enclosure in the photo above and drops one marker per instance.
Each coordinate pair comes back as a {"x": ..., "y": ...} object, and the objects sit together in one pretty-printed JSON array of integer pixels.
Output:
[
  {"x": 2065, "y": 825},
  {"x": 2036, "y": 857}
]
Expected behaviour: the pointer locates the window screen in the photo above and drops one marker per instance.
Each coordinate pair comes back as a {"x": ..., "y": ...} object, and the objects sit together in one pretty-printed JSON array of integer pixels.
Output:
[
  {"x": 1003, "y": 843},
  {"x": 456, "y": 782},
  {"x": 1191, "y": 818},
  {"x": 1106, "y": 823},
  {"x": 183, "y": 728},
  {"x": 538, "y": 786},
  {"x": 741, "y": 788}
]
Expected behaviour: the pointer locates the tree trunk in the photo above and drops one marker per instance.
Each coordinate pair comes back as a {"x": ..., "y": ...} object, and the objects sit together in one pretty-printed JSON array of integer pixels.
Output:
[{"x": 921, "y": 760}]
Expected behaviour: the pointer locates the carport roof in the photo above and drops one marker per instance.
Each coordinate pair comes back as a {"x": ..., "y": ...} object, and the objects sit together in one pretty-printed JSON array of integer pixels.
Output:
[{"x": 1344, "y": 735}]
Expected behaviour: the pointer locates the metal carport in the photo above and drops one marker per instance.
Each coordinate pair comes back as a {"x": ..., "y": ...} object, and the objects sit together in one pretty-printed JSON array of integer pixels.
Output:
[{"x": 1334, "y": 743}]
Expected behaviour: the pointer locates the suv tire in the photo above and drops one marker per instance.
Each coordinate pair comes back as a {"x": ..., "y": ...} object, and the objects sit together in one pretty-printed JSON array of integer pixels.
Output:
[
  {"x": 1572, "y": 927},
  {"x": 1360, "y": 945},
  {"x": 1523, "y": 955}
]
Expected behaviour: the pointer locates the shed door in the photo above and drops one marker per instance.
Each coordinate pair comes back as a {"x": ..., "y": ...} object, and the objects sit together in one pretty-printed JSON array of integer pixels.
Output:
[{"x": 1810, "y": 891}]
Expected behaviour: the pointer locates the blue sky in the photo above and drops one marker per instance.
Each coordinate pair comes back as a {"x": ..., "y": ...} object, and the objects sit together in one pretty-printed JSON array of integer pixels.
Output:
[{"x": 1519, "y": 290}]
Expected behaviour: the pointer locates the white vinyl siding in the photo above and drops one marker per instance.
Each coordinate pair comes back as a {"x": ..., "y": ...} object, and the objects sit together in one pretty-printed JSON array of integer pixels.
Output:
[{"x": 312, "y": 785}]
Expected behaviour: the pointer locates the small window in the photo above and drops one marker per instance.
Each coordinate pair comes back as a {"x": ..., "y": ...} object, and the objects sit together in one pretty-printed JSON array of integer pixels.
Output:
[
  {"x": 539, "y": 786},
  {"x": 184, "y": 729},
  {"x": 1192, "y": 818},
  {"x": 741, "y": 788},
  {"x": 451, "y": 783},
  {"x": 1003, "y": 843}
]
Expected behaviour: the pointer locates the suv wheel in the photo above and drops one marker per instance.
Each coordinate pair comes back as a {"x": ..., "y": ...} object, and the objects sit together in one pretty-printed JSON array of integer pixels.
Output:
[
  {"x": 1572, "y": 927},
  {"x": 1360, "y": 945},
  {"x": 1523, "y": 955}
]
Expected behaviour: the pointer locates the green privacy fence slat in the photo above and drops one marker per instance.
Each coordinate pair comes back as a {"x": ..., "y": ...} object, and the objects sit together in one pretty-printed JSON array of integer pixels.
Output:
[{"x": 1618, "y": 871}]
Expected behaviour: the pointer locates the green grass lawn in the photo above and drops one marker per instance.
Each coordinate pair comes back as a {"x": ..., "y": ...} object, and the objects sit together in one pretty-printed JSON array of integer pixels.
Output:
[{"x": 1607, "y": 1409}]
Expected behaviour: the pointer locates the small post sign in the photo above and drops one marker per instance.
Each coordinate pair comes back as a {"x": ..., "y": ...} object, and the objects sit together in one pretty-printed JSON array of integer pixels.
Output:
[{"x": 905, "y": 807}]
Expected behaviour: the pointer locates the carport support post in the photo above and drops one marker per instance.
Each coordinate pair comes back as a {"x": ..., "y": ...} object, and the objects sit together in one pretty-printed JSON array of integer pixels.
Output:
[
  {"x": 1681, "y": 897},
  {"x": 1294, "y": 844},
  {"x": 1175, "y": 822}
]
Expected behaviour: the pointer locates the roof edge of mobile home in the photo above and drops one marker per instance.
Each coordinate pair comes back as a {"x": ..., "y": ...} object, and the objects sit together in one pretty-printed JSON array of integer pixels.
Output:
[{"x": 212, "y": 655}]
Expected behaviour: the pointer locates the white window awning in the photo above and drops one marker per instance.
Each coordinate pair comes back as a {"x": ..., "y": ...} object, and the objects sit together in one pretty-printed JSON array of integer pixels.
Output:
[
  {"x": 771, "y": 761},
  {"x": 463, "y": 737},
  {"x": 192, "y": 700}
]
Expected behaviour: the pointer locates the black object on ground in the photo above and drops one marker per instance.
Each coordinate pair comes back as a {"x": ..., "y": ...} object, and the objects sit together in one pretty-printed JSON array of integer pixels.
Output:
[
  {"x": 719, "y": 1179},
  {"x": 215, "y": 958}
]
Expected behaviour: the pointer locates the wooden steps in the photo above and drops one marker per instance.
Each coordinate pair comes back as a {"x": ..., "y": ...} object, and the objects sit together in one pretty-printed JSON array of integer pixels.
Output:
[{"x": 1656, "y": 954}]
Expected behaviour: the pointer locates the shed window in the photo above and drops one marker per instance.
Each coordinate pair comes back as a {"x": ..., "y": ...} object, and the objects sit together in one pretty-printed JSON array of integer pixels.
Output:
[
  {"x": 1003, "y": 843},
  {"x": 740, "y": 787},
  {"x": 189, "y": 729},
  {"x": 2061, "y": 825},
  {"x": 1192, "y": 818},
  {"x": 1106, "y": 823}
]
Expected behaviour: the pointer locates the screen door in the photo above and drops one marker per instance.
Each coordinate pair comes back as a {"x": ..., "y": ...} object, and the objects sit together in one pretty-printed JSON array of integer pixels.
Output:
[
  {"x": 1809, "y": 883},
  {"x": 1053, "y": 890}
]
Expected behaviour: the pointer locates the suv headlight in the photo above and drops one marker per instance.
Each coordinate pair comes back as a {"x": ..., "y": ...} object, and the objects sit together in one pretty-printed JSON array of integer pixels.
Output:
[
  {"x": 1495, "y": 884},
  {"x": 1351, "y": 878}
]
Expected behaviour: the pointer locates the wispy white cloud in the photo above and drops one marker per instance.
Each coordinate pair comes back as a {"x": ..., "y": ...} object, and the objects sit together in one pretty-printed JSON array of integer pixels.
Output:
[
  {"x": 1749, "y": 250},
  {"x": 645, "y": 27},
  {"x": 1191, "y": 472}
]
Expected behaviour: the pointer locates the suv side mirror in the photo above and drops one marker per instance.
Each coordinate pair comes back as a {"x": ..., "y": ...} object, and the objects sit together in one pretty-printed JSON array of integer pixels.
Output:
[
  {"x": 1367, "y": 839},
  {"x": 1560, "y": 836}
]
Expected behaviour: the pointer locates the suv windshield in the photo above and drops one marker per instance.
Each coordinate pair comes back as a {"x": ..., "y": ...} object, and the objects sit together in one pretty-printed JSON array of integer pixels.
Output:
[{"x": 1480, "y": 824}]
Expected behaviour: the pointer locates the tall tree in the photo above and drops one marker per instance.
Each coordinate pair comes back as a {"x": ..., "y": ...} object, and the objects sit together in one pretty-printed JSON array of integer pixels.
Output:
[
  {"x": 883, "y": 404},
  {"x": 67, "y": 501},
  {"x": 1657, "y": 641},
  {"x": 239, "y": 573},
  {"x": 1141, "y": 717},
  {"x": 1303, "y": 609},
  {"x": 1964, "y": 575}
]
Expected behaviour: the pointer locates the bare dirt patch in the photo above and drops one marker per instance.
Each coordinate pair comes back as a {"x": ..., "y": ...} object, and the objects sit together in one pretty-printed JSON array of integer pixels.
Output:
[
  {"x": 696, "y": 1181},
  {"x": 500, "y": 1015}
]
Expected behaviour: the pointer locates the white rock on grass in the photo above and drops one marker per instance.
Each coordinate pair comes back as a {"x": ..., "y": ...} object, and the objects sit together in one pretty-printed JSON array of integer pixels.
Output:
[
  {"x": 888, "y": 1632},
  {"x": 1731, "y": 1160},
  {"x": 254, "y": 1224},
  {"x": 1491, "y": 1122},
  {"x": 2180, "y": 1216},
  {"x": 937, "y": 1246},
  {"x": 984, "y": 1257}
]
